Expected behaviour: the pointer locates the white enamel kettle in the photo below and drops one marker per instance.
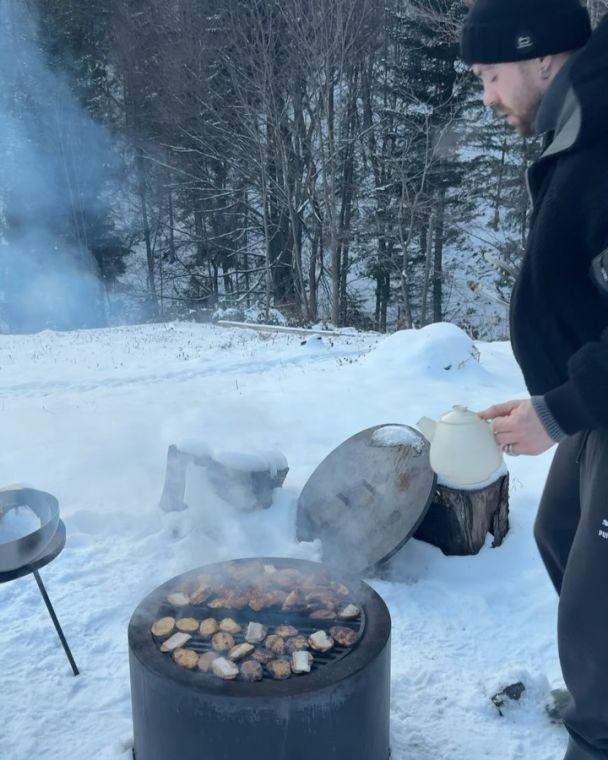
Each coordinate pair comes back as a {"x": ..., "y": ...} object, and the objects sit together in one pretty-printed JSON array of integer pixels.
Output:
[{"x": 463, "y": 448}]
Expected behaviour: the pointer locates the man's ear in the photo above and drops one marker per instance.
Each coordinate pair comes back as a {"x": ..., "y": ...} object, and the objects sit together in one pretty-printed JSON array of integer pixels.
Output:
[{"x": 545, "y": 64}]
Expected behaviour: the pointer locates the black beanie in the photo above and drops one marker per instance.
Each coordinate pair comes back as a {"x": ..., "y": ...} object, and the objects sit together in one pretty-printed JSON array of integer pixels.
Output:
[{"x": 503, "y": 31}]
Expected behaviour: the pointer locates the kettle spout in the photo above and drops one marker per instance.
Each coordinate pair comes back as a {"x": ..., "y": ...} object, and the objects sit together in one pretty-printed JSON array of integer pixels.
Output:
[{"x": 427, "y": 426}]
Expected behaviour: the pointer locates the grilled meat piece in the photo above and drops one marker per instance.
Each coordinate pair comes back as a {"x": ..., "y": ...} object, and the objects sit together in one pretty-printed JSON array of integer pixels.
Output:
[
  {"x": 187, "y": 624},
  {"x": 222, "y": 642},
  {"x": 219, "y": 603},
  {"x": 175, "y": 641},
  {"x": 339, "y": 588},
  {"x": 178, "y": 599},
  {"x": 255, "y": 633},
  {"x": 343, "y": 636},
  {"x": 163, "y": 627},
  {"x": 286, "y": 631},
  {"x": 225, "y": 669},
  {"x": 228, "y": 625},
  {"x": 275, "y": 644},
  {"x": 321, "y": 599},
  {"x": 205, "y": 661},
  {"x": 295, "y": 644},
  {"x": 251, "y": 670},
  {"x": 323, "y": 615},
  {"x": 279, "y": 669},
  {"x": 294, "y": 602},
  {"x": 288, "y": 578},
  {"x": 350, "y": 612},
  {"x": 301, "y": 662},
  {"x": 208, "y": 627},
  {"x": 186, "y": 658},
  {"x": 263, "y": 656},
  {"x": 320, "y": 641},
  {"x": 259, "y": 601}
]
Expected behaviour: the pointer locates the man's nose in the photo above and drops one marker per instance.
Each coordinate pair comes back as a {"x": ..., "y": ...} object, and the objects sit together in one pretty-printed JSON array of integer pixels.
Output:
[{"x": 489, "y": 97}]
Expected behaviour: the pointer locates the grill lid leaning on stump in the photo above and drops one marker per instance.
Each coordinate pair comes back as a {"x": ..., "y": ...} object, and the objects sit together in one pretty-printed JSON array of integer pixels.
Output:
[{"x": 367, "y": 498}]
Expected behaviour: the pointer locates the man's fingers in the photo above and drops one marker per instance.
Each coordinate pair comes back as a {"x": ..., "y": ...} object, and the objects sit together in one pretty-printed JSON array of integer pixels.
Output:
[{"x": 498, "y": 410}]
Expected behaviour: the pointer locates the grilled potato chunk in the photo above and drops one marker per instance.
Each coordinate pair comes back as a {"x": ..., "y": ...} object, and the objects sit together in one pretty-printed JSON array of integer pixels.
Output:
[
  {"x": 163, "y": 627},
  {"x": 187, "y": 625},
  {"x": 208, "y": 627},
  {"x": 222, "y": 642},
  {"x": 228, "y": 625},
  {"x": 185, "y": 658}
]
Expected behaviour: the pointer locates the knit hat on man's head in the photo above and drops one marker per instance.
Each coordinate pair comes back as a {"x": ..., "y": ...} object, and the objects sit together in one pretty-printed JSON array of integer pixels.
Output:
[{"x": 503, "y": 31}]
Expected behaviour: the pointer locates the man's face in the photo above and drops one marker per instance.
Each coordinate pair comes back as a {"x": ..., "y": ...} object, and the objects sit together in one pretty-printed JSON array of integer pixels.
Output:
[{"x": 513, "y": 90}]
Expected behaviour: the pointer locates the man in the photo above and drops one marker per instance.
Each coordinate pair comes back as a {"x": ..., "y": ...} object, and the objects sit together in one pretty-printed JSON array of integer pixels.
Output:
[{"x": 545, "y": 72}]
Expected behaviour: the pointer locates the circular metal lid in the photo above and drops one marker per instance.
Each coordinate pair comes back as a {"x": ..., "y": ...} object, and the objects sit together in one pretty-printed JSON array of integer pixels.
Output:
[{"x": 367, "y": 497}]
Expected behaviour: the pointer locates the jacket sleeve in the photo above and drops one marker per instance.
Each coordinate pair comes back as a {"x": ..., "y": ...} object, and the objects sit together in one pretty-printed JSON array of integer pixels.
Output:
[{"x": 582, "y": 401}]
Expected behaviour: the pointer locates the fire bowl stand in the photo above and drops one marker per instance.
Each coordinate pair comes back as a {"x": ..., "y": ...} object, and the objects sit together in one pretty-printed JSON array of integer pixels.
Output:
[{"x": 49, "y": 554}]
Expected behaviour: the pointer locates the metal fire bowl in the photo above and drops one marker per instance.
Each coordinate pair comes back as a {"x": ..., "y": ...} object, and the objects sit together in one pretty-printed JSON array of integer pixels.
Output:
[{"x": 23, "y": 551}]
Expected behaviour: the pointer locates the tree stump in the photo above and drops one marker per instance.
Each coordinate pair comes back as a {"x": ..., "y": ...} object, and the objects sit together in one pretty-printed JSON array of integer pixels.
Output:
[
  {"x": 458, "y": 521},
  {"x": 246, "y": 487}
]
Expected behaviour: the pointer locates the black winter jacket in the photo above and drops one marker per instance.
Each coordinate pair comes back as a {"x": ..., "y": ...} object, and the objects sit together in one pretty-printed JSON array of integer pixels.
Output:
[{"x": 559, "y": 318}]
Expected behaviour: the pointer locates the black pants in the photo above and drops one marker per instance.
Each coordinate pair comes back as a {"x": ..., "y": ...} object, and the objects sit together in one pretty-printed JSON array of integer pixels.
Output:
[{"x": 572, "y": 535}]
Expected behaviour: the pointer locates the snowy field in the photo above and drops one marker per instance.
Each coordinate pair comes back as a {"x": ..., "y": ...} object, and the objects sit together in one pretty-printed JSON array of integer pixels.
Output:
[{"x": 88, "y": 416}]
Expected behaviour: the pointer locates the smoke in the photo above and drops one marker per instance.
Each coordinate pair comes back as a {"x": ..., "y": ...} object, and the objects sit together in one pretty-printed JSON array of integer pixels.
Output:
[{"x": 55, "y": 163}]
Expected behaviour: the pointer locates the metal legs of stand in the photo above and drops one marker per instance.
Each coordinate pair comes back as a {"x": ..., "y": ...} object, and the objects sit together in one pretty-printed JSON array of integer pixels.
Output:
[{"x": 49, "y": 607}]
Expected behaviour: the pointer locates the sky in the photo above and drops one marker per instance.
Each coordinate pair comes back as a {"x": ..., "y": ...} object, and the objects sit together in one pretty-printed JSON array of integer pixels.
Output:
[{"x": 88, "y": 416}]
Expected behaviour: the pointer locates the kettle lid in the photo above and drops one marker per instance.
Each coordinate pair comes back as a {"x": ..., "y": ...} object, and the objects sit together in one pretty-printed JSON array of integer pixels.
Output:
[{"x": 460, "y": 414}]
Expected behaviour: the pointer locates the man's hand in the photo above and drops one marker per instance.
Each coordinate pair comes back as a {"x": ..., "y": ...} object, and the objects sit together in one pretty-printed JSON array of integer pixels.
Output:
[{"x": 516, "y": 423}]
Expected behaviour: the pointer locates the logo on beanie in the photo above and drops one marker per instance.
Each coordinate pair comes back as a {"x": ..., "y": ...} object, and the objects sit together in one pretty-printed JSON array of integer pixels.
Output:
[{"x": 524, "y": 42}]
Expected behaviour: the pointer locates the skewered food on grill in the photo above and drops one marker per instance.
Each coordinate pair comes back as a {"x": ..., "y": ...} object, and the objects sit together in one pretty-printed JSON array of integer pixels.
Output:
[
  {"x": 164, "y": 626},
  {"x": 260, "y": 601},
  {"x": 186, "y": 658},
  {"x": 175, "y": 641},
  {"x": 294, "y": 602},
  {"x": 222, "y": 642},
  {"x": 251, "y": 670},
  {"x": 225, "y": 669},
  {"x": 187, "y": 624}
]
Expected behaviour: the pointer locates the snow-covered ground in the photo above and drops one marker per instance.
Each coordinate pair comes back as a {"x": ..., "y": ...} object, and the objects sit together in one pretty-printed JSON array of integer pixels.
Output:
[{"x": 88, "y": 416}]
